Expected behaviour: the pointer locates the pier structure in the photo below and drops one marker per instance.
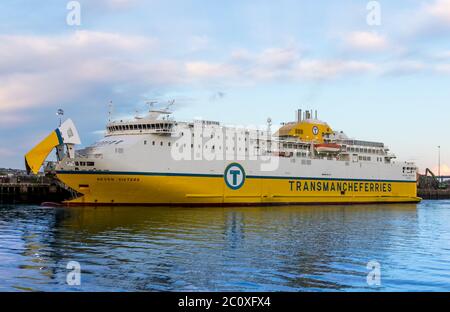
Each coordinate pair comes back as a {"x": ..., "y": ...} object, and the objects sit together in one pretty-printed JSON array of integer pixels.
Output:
[
  {"x": 431, "y": 186},
  {"x": 18, "y": 187},
  {"x": 32, "y": 193}
]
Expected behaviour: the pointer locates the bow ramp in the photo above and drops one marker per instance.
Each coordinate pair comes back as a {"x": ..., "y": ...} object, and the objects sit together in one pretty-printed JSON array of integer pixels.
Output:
[{"x": 64, "y": 136}]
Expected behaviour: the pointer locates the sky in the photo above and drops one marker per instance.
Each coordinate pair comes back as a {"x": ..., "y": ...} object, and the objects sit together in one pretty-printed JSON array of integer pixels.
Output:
[{"x": 378, "y": 70}]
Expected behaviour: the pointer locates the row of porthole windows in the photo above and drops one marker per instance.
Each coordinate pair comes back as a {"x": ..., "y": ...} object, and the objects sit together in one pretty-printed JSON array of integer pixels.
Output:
[
  {"x": 100, "y": 143},
  {"x": 365, "y": 158},
  {"x": 409, "y": 170},
  {"x": 161, "y": 143},
  {"x": 156, "y": 126},
  {"x": 364, "y": 150},
  {"x": 212, "y": 136},
  {"x": 85, "y": 163},
  {"x": 295, "y": 146}
]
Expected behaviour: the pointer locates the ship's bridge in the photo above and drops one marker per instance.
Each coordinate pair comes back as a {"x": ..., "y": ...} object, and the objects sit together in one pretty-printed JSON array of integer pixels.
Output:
[{"x": 156, "y": 122}]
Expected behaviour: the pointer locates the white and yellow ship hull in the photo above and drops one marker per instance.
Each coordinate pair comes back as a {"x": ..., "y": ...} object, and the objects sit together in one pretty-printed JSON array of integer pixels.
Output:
[
  {"x": 138, "y": 166},
  {"x": 130, "y": 188}
]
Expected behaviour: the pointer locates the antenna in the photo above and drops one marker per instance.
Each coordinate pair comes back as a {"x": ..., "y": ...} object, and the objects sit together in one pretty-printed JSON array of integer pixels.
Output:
[
  {"x": 151, "y": 104},
  {"x": 169, "y": 105},
  {"x": 269, "y": 124},
  {"x": 60, "y": 113},
  {"x": 110, "y": 109}
]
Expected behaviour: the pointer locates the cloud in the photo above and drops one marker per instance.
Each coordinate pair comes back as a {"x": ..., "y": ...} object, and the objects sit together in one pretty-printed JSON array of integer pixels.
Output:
[
  {"x": 445, "y": 169},
  {"x": 404, "y": 67},
  {"x": 278, "y": 58},
  {"x": 48, "y": 71},
  {"x": 442, "y": 55},
  {"x": 439, "y": 11},
  {"x": 6, "y": 152},
  {"x": 201, "y": 69},
  {"x": 115, "y": 4},
  {"x": 442, "y": 68},
  {"x": 318, "y": 69},
  {"x": 37, "y": 71},
  {"x": 430, "y": 20},
  {"x": 273, "y": 64},
  {"x": 366, "y": 41},
  {"x": 198, "y": 43}
]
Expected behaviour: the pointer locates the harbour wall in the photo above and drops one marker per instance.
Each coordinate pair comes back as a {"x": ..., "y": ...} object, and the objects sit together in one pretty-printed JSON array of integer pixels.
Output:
[
  {"x": 32, "y": 193},
  {"x": 433, "y": 194}
]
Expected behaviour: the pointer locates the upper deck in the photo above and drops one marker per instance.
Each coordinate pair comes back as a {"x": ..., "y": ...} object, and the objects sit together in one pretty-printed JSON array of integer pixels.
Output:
[{"x": 308, "y": 137}]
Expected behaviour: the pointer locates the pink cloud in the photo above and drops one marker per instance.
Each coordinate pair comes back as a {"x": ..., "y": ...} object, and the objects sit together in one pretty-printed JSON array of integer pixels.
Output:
[
  {"x": 445, "y": 169},
  {"x": 440, "y": 11},
  {"x": 366, "y": 41}
]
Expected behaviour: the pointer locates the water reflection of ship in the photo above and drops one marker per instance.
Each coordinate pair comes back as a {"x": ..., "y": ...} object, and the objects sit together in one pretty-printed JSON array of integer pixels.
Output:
[
  {"x": 214, "y": 248},
  {"x": 298, "y": 244}
]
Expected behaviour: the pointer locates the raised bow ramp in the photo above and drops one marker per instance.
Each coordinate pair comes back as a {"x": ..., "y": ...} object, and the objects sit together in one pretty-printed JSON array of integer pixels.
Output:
[{"x": 66, "y": 134}]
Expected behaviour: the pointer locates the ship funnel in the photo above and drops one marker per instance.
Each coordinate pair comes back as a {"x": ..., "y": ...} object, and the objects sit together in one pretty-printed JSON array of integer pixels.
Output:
[{"x": 299, "y": 115}]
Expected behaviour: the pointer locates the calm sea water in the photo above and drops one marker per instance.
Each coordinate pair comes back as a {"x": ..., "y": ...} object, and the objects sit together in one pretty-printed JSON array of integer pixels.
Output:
[{"x": 226, "y": 249}]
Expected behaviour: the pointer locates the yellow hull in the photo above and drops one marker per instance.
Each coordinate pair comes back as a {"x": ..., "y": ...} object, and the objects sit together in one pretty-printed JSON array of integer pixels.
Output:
[{"x": 178, "y": 189}]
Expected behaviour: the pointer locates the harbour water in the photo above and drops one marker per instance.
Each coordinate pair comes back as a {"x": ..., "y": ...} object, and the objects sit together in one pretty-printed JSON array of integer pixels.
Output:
[{"x": 304, "y": 248}]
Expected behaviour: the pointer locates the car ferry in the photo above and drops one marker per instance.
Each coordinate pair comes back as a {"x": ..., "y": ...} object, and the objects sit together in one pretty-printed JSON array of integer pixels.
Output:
[{"x": 158, "y": 160}]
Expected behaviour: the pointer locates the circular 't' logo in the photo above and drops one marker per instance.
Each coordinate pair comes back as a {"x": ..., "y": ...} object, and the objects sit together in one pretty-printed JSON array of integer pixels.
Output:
[
  {"x": 315, "y": 130},
  {"x": 234, "y": 176}
]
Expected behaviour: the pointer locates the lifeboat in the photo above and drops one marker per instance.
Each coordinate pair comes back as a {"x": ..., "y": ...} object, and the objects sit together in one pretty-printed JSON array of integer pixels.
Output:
[{"x": 328, "y": 148}]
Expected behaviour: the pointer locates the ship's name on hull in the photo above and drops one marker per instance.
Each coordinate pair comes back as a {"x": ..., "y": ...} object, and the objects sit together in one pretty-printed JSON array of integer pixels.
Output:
[
  {"x": 112, "y": 179},
  {"x": 339, "y": 186}
]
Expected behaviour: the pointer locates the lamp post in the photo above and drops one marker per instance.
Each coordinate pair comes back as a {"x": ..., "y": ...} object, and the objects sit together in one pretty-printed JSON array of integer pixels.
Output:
[
  {"x": 60, "y": 113},
  {"x": 439, "y": 163}
]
